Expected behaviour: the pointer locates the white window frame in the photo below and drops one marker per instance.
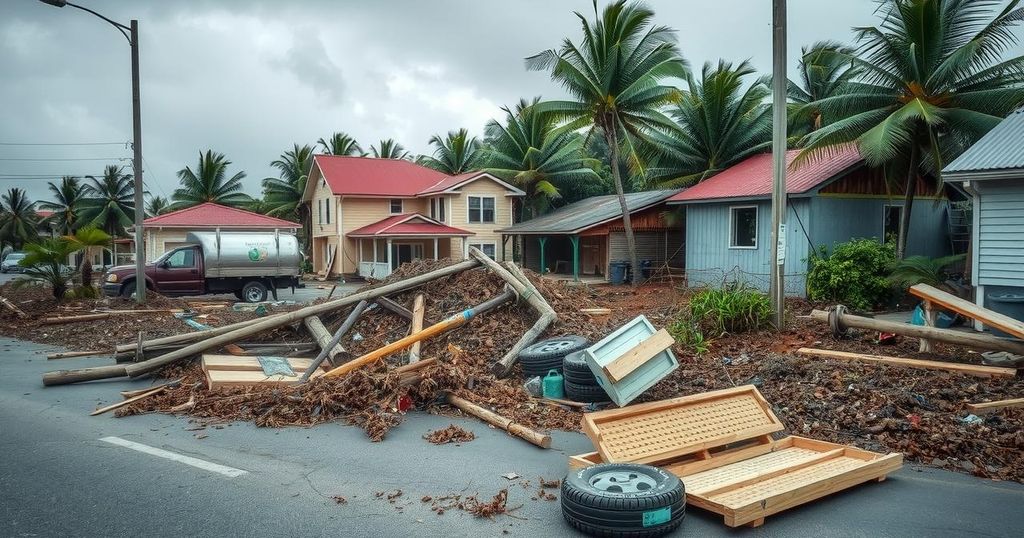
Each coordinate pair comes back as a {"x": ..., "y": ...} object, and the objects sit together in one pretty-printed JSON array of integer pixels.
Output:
[
  {"x": 492, "y": 244},
  {"x": 899, "y": 223},
  {"x": 494, "y": 202},
  {"x": 391, "y": 206},
  {"x": 442, "y": 209},
  {"x": 732, "y": 226}
]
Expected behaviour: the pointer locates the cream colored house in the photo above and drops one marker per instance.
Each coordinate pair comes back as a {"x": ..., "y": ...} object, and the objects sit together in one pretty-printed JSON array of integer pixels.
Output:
[{"x": 371, "y": 215}]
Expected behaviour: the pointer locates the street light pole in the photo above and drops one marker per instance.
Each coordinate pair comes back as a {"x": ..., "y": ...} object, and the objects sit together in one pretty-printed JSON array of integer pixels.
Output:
[
  {"x": 131, "y": 33},
  {"x": 779, "y": 87}
]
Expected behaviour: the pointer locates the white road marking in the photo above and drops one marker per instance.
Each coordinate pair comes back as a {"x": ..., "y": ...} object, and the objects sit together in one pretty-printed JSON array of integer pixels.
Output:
[{"x": 230, "y": 472}]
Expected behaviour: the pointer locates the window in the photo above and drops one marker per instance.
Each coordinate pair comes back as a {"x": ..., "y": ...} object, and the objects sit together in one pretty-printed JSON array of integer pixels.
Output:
[
  {"x": 396, "y": 206},
  {"x": 743, "y": 227},
  {"x": 892, "y": 217},
  {"x": 481, "y": 209},
  {"x": 180, "y": 259},
  {"x": 487, "y": 248},
  {"x": 327, "y": 204},
  {"x": 437, "y": 209},
  {"x": 319, "y": 211}
]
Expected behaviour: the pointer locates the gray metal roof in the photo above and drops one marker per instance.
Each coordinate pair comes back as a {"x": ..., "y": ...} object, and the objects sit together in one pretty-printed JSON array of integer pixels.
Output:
[
  {"x": 1000, "y": 150},
  {"x": 588, "y": 213}
]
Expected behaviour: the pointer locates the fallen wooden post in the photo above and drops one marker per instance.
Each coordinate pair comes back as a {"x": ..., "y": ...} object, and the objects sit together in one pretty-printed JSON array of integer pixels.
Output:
[
  {"x": 12, "y": 307},
  {"x": 72, "y": 354},
  {"x": 214, "y": 339},
  {"x": 498, "y": 421},
  {"x": 136, "y": 392},
  {"x": 323, "y": 337},
  {"x": 438, "y": 328},
  {"x": 60, "y": 320},
  {"x": 395, "y": 308},
  {"x": 346, "y": 326},
  {"x": 961, "y": 306},
  {"x": 982, "y": 408},
  {"x": 969, "y": 369},
  {"x": 930, "y": 316},
  {"x": 948, "y": 336},
  {"x": 418, "y": 310},
  {"x": 133, "y": 399}
]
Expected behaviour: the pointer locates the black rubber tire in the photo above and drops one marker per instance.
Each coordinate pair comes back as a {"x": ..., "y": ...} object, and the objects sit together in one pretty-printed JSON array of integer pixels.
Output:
[
  {"x": 238, "y": 295},
  {"x": 585, "y": 393},
  {"x": 547, "y": 355},
  {"x": 575, "y": 369},
  {"x": 128, "y": 289},
  {"x": 597, "y": 511},
  {"x": 254, "y": 292}
]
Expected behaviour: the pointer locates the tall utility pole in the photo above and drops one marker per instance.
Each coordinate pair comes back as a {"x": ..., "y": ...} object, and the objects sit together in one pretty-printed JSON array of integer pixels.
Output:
[
  {"x": 779, "y": 86},
  {"x": 131, "y": 33}
]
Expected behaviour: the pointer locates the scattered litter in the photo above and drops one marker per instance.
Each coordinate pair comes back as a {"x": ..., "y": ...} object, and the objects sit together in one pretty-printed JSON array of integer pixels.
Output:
[
  {"x": 972, "y": 419},
  {"x": 339, "y": 499},
  {"x": 510, "y": 476},
  {"x": 451, "y": 434}
]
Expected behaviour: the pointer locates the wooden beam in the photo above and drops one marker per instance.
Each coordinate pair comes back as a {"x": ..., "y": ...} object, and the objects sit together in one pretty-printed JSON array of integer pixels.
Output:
[
  {"x": 633, "y": 358},
  {"x": 948, "y": 336},
  {"x": 323, "y": 337},
  {"x": 12, "y": 307},
  {"x": 72, "y": 354},
  {"x": 394, "y": 308},
  {"x": 418, "y": 311},
  {"x": 229, "y": 363},
  {"x": 123, "y": 403},
  {"x": 218, "y": 379},
  {"x": 961, "y": 306},
  {"x": 136, "y": 392},
  {"x": 968, "y": 369},
  {"x": 498, "y": 421},
  {"x": 346, "y": 326},
  {"x": 982, "y": 408}
]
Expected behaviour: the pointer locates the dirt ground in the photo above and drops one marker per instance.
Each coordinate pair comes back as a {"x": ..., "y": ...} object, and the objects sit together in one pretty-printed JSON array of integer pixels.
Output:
[{"x": 918, "y": 412}]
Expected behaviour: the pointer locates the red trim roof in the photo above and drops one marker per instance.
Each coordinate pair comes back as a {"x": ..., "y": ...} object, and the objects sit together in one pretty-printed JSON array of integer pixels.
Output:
[
  {"x": 363, "y": 176},
  {"x": 42, "y": 213},
  {"x": 449, "y": 182},
  {"x": 406, "y": 225},
  {"x": 752, "y": 178},
  {"x": 209, "y": 215}
]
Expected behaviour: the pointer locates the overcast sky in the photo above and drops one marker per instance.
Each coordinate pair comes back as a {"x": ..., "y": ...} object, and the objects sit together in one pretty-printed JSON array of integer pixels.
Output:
[{"x": 249, "y": 78}]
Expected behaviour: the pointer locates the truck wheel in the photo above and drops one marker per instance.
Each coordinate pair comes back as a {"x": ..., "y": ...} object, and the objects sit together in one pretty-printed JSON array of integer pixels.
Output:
[
  {"x": 238, "y": 294},
  {"x": 254, "y": 292},
  {"x": 128, "y": 289}
]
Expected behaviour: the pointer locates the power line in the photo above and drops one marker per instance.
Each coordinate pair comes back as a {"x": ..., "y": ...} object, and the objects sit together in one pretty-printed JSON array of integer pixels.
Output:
[{"x": 64, "y": 143}]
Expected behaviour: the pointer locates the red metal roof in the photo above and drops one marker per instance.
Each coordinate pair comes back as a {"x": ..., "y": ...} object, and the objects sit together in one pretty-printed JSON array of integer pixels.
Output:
[
  {"x": 363, "y": 176},
  {"x": 42, "y": 213},
  {"x": 449, "y": 182},
  {"x": 753, "y": 177},
  {"x": 209, "y": 215},
  {"x": 406, "y": 225}
]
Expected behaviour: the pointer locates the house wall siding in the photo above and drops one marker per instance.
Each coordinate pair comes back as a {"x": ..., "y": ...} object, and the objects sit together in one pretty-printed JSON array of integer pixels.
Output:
[
  {"x": 710, "y": 261},
  {"x": 839, "y": 219},
  {"x": 1001, "y": 233},
  {"x": 482, "y": 233}
]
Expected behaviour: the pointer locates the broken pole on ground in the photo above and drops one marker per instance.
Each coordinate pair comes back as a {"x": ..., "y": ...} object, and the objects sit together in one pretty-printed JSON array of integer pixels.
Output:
[
  {"x": 540, "y": 439},
  {"x": 346, "y": 326},
  {"x": 323, "y": 338},
  {"x": 418, "y": 311}
]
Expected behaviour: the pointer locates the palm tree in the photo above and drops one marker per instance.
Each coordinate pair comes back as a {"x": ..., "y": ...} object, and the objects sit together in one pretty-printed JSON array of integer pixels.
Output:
[
  {"x": 68, "y": 198},
  {"x": 822, "y": 75},
  {"x": 340, "y": 144},
  {"x": 614, "y": 77},
  {"x": 528, "y": 151},
  {"x": 282, "y": 196},
  {"x": 933, "y": 82},
  {"x": 388, "y": 149},
  {"x": 86, "y": 239},
  {"x": 209, "y": 183},
  {"x": 18, "y": 218},
  {"x": 110, "y": 201},
  {"x": 721, "y": 121},
  {"x": 455, "y": 154},
  {"x": 46, "y": 262},
  {"x": 157, "y": 205}
]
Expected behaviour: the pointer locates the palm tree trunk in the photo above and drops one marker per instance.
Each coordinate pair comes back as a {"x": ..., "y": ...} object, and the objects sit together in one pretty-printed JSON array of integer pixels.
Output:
[
  {"x": 611, "y": 138},
  {"x": 908, "y": 201}
]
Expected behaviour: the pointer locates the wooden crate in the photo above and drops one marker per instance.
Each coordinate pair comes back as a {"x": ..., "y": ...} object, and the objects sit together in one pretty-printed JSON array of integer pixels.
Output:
[
  {"x": 234, "y": 371},
  {"x": 720, "y": 444},
  {"x": 631, "y": 360}
]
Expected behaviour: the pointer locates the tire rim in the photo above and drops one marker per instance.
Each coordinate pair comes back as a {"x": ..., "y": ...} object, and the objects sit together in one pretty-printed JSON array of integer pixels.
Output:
[
  {"x": 253, "y": 295},
  {"x": 557, "y": 345},
  {"x": 623, "y": 481}
]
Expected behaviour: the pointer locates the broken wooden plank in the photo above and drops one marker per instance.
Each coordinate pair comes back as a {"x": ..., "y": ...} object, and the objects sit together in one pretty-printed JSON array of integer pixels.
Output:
[
  {"x": 61, "y": 320},
  {"x": 72, "y": 354},
  {"x": 982, "y": 408},
  {"x": 969, "y": 369},
  {"x": 12, "y": 307},
  {"x": 133, "y": 399},
  {"x": 323, "y": 337},
  {"x": 218, "y": 379},
  {"x": 394, "y": 308},
  {"x": 498, "y": 421},
  {"x": 961, "y": 306},
  {"x": 247, "y": 364},
  {"x": 632, "y": 359},
  {"x": 596, "y": 311},
  {"x": 418, "y": 310},
  {"x": 136, "y": 392}
]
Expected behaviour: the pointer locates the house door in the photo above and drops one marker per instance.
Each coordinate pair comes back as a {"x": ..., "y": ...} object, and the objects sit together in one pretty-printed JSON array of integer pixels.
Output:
[
  {"x": 591, "y": 257},
  {"x": 405, "y": 253}
]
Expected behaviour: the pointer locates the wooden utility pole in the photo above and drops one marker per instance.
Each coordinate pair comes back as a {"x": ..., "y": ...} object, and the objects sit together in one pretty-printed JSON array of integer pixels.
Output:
[{"x": 779, "y": 86}]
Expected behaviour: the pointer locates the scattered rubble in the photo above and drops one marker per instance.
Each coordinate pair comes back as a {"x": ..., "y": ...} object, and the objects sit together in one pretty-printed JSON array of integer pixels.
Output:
[{"x": 451, "y": 434}]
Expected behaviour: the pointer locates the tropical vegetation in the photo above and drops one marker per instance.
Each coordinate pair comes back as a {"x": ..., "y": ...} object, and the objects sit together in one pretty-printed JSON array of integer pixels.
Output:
[
  {"x": 18, "y": 218},
  {"x": 388, "y": 149},
  {"x": 45, "y": 263},
  {"x": 282, "y": 196},
  {"x": 209, "y": 182},
  {"x": 157, "y": 205},
  {"x": 68, "y": 200},
  {"x": 855, "y": 273},
  {"x": 109, "y": 201},
  {"x": 454, "y": 154}
]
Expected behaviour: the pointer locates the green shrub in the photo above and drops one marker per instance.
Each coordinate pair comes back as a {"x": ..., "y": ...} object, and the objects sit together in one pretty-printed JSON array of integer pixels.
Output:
[
  {"x": 855, "y": 274},
  {"x": 719, "y": 311},
  {"x": 687, "y": 333},
  {"x": 83, "y": 292},
  {"x": 922, "y": 270}
]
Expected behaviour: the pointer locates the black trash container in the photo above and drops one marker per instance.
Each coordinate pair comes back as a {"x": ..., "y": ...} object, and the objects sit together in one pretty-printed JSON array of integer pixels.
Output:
[{"x": 1006, "y": 303}]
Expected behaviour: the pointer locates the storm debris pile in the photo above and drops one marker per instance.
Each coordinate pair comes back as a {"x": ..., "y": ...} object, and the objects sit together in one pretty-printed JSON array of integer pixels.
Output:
[{"x": 451, "y": 434}]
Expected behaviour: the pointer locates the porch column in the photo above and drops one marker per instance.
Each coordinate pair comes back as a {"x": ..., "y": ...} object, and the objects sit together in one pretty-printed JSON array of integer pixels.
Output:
[
  {"x": 389, "y": 256},
  {"x": 542, "y": 240},
  {"x": 435, "y": 248},
  {"x": 575, "y": 240},
  {"x": 374, "y": 266},
  {"x": 360, "y": 243}
]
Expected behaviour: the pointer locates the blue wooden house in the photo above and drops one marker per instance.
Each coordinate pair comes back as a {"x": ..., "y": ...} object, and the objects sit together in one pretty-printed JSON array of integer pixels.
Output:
[
  {"x": 992, "y": 173},
  {"x": 831, "y": 200}
]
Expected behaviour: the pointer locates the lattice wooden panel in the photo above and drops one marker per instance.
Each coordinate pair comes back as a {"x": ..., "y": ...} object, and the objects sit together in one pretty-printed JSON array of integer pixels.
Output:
[
  {"x": 681, "y": 426},
  {"x": 712, "y": 479},
  {"x": 791, "y": 481}
]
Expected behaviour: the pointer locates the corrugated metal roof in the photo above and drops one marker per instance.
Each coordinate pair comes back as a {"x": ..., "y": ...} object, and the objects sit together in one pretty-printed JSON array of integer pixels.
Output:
[
  {"x": 752, "y": 177},
  {"x": 1002, "y": 148},
  {"x": 588, "y": 213}
]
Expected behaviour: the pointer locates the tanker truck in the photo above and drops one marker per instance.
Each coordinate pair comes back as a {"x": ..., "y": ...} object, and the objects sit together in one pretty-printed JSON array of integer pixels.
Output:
[{"x": 247, "y": 264}]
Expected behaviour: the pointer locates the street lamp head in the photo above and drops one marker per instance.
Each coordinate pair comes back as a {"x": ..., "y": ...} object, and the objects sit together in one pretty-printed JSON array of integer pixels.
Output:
[{"x": 55, "y": 3}]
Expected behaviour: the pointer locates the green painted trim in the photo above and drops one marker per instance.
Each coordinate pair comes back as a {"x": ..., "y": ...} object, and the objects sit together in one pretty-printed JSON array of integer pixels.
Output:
[
  {"x": 542, "y": 240},
  {"x": 575, "y": 239}
]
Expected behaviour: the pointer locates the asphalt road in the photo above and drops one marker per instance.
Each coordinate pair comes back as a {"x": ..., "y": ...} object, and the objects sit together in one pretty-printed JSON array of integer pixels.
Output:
[{"x": 64, "y": 473}]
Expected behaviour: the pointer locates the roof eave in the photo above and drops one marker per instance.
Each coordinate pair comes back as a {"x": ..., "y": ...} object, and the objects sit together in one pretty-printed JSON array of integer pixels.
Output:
[{"x": 983, "y": 175}]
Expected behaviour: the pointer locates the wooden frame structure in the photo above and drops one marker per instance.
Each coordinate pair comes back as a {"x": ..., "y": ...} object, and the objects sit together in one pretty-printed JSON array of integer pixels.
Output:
[
  {"x": 224, "y": 371},
  {"x": 720, "y": 444},
  {"x": 933, "y": 296}
]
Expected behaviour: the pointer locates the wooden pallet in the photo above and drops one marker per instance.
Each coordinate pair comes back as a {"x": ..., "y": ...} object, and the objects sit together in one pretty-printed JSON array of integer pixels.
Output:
[
  {"x": 719, "y": 443},
  {"x": 243, "y": 371}
]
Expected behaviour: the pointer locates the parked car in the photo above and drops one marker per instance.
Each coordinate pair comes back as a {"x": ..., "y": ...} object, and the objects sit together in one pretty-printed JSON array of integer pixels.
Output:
[
  {"x": 248, "y": 264},
  {"x": 10, "y": 263}
]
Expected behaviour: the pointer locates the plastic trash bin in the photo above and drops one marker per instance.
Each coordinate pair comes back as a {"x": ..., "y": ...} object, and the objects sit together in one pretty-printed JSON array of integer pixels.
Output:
[
  {"x": 617, "y": 272},
  {"x": 1010, "y": 304},
  {"x": 646, "y": 268}
]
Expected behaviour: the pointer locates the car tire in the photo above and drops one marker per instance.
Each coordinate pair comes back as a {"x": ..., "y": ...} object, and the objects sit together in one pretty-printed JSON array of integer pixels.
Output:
[
  {"x": 585, "y": 393},
  {"x": 547, "y": 355},
  {"x": 623, "y": 500},
  {"x": 128, "y": 289},
  {"x": 239, "y": 296},
  {"x": 576, "y": 370},
  {"x": 254, "y": 292}
]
